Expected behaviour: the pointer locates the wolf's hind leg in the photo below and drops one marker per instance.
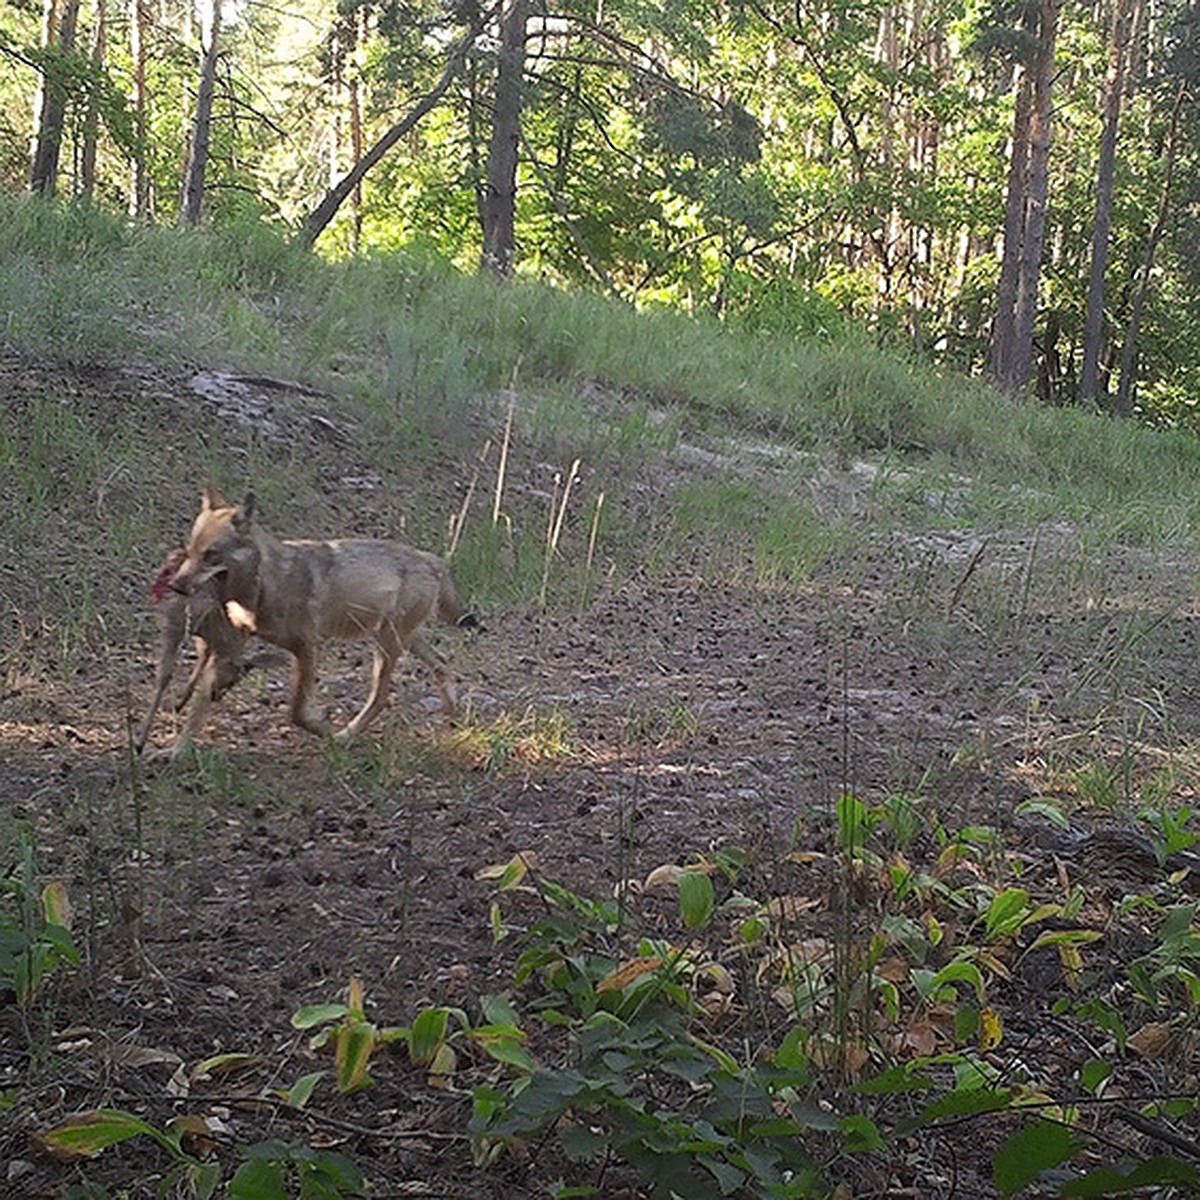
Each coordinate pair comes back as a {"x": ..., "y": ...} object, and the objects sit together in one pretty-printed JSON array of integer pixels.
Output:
[
  {"x": 388, "y": 646},
  {"x": 440, "y": 668}
]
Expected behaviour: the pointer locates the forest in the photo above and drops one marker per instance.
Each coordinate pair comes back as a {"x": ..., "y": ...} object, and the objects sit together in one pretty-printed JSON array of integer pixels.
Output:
[
  {"x": 800, "y": 397},
  {"x": 1000, "y": 188}
]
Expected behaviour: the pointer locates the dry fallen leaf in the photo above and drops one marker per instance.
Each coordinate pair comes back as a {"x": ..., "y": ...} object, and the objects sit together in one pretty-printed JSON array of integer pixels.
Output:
[
  {"x": 627, "y": 972},
  {"x": 663, "y": 878},
  {"x": 129, "y": 1055},
  {"x": 788, "y": 908},
  {"x": 1151, "y": 1041}
]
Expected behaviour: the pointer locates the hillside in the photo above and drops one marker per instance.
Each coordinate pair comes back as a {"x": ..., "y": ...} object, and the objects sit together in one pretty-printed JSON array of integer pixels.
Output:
[{"x": 891, "y": 664}]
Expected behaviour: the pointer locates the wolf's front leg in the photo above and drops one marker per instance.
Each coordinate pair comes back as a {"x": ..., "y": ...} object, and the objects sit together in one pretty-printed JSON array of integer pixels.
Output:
[{"x": 304, "y": 676}]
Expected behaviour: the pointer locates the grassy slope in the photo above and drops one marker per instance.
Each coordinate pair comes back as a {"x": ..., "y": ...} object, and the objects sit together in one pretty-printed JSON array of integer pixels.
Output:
[{"x": 747, "y": 451}]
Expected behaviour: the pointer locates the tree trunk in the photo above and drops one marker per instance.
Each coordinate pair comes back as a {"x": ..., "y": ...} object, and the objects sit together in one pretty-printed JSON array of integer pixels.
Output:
[
  {"x": 1114, "y": 89},
  {"x": 1000, "y": 362},
  {"x": 356, "y": 125},
  {"x": 192, "y": 198},
  {"x": 50, "y": 105},
  {"x": 500, "y": 197},
  {"x": 316, "y": 221},
  {"x": 1127, "y": 387},
  {"x": 139, "y": 22},
  {"x": 1040, "y": 136},
  {"x": 91, "y": 123},
  {"x": 1025, "y": 209}
]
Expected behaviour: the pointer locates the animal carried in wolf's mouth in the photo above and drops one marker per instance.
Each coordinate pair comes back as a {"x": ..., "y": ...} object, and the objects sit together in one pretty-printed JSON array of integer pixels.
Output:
[
  {"x": 220, "y": 650},
  {"x": 299, "y": 593}
]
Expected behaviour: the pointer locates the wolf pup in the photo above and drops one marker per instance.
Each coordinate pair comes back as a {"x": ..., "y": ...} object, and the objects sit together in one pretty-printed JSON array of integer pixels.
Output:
[
  {"x": 220, "y": 661},
  {"x": 297, "y": 594}
]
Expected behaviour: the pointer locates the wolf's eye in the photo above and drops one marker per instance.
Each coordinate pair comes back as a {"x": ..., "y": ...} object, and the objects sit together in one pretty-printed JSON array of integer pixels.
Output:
[{"x": 210, "y": 555}]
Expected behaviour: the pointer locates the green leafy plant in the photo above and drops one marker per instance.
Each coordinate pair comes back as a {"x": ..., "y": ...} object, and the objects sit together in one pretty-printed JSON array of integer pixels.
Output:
[
  {"x": 275, "y": 1169},
  {"x": 85, "y": 1135},
  {"x": 430, "y": 1039},
  {"x": 35, "y": 936}
]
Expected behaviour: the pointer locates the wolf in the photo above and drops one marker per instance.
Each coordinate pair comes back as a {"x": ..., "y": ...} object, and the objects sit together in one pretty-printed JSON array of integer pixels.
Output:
[
  {"x": 220, "y": 646},
  {"x": 299, "y": 593}
]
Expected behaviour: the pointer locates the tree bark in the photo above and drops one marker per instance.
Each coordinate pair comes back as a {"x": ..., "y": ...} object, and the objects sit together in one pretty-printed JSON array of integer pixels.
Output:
[
  {"x": 319, "y": 218},
  {"x": 139, "y": 21},
  {"x": 1040, "y": 137},
  {"x": 1003, "y": 332},
  {"x": 356, "y": 125},
  {"x": 192, "y": 198},
  {"x": 50, "y": 106},
  {"x": 1114, "y": 90},
  {"x": 1127, "y": 387},
  {"x": 1025, "y": 216},
  {"x": 499, "y": 207},
  {"x": 91, "y": 123}
]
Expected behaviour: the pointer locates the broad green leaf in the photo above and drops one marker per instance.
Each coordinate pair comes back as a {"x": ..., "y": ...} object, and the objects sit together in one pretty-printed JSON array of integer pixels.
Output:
[
  {"x": 1093, "y": 1073},
  {"x": 1065, "y": 937},
  {"x": 86, "y": 1134},
  {"x": 354, "y": 1046},
  {"x": 317, "y": 1014},
  {"x": 964, "y": 1102},
  {"x": 581, "y": 1141},
  {"x": 696, "y": 898},
  {"x": 1029, "y": 1152},
  {"x": 1044, "y": 806},
  {"x": 894, "y": 1079},
  {"x": 259, "y": 1179},
  {"x": 1154, "y": 1172},
  {"x": 860, "y": 1134},
  {"x": 956, "y": 972},
  {"x": 507, "y": 1050},
  {"x": 498, "y": 1011},
  {"x": 301, "y": 1091},
  {"x": 428, "y": 1033},
  {"x": 1006, "y": 913}
]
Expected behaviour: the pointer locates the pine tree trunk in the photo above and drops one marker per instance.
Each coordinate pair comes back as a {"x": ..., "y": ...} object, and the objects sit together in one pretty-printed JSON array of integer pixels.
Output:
[
  {"x": 139, "y": 21},
  {"x": 51, "y": 103},
  {"x": 500, "y": 197},
  {"x": 91, "y": 124},
  {"x": 192, "y": 198},
  {"x": 1127, "y": 387},
  {"x": 1025, "y": 209},
  {"x": 1114, "y": 89},
  {"x": 356, "y": 126},
  {"x": 1040, "y": 137},
  {"x": 1000, "y": 361}
]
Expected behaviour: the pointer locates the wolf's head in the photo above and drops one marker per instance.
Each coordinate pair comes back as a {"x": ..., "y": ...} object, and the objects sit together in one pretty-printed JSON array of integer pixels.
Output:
[{"x": 221, "y": 549}]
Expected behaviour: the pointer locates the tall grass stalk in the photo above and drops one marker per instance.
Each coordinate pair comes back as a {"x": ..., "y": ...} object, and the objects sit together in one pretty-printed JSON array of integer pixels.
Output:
[
  {"x": 460, "y": 519},
  {"x": 503, "y": 466},
  {"x": 554, "y": 531},
  {"x": 593, "y": 533}
]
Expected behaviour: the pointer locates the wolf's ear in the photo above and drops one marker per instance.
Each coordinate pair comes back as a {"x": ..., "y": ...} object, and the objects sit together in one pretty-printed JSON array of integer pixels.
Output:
[
  {"x": 210, "y": 498},
  {"x": 243, "y": 517}
]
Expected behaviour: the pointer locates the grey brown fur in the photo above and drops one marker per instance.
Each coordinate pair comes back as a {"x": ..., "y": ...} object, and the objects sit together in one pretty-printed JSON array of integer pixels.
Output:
[{"x": 299, "y": 593}]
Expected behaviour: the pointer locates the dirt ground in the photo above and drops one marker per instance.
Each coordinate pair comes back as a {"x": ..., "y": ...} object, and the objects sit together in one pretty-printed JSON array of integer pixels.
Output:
[{"x": 215, "y": 897}]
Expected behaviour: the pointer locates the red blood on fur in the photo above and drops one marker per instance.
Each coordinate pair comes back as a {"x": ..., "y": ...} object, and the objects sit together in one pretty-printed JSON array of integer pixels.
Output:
[{"x": 162, "y": 581}]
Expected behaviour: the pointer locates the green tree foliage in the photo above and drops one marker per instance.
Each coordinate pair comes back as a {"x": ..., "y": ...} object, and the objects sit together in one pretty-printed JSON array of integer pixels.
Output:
[{"x": 790, "y": 166}]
